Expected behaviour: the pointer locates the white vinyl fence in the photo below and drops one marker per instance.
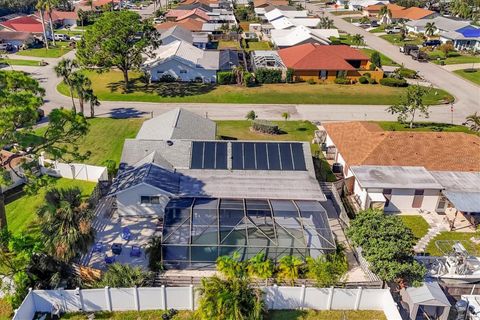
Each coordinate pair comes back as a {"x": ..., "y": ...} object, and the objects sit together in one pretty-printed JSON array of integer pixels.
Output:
[
  {"x": 77, "y": 171},
  {"x": 186, "y": 298}
]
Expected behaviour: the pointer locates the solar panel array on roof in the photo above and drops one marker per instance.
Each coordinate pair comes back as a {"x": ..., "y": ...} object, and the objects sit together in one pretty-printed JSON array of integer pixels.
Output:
[
  {"x": 209, "y": 155},
  {"x": 268, "y": 156}
]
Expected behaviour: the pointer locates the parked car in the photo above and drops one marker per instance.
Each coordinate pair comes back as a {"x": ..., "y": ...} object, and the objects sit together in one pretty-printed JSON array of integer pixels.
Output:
[
  {"x": 393, "y": 30},
  {"x": 374, "y": 24},
  {"x": 432, "y": 43},
  {"x": 76, "y": 38},
  {"x": 407, "y": 48},
  {"x": 6, "y": 47},
  {"x": 61, "y": 37},
  {"x": 418, "y": 55}
]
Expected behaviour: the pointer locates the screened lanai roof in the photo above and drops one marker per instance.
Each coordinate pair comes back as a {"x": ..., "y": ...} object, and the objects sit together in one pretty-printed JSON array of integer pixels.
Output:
[{"x": 221, "y": 226}]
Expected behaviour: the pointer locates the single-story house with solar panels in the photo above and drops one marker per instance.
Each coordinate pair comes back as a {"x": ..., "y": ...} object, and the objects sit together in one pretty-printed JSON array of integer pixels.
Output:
[{"x": 215, "y": 197}]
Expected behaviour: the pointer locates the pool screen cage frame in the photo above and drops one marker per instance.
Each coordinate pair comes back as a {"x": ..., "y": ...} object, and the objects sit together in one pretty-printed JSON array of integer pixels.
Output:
[{"x": 196, "y": 231}]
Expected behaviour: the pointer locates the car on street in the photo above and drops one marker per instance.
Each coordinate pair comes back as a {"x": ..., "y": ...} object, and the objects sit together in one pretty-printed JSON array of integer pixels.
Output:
[
  {"x": 61, "y": 37},
  {"x": 393, "y": 30},
  {"x": 76, "y": 38},
  {"x": 432, "y": 43}
]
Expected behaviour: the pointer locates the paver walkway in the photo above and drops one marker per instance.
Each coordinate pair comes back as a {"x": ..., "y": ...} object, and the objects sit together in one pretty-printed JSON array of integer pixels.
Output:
[{"x": 437, "y": 225}]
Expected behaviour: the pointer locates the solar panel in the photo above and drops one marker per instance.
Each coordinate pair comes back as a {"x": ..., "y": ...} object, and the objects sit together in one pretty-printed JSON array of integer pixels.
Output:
[
  {"x": 273, "y": 156},
  {"x": 221, "y": 156},
  {"x": 261, "y": 156},
  {"x": 209, "y": 155},
  {"x": 249, "y": 156},
  {"x": 197, "y": 155},
  {"x": 237, "y": 156},
  {"x": 298, "y": 157},
  {"x": 286, "y": 156}
]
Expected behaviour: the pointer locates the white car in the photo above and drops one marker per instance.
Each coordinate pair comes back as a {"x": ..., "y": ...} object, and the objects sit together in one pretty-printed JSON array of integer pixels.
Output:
[
  {"x": 76, "y": 38},
  {"x": 61, "y": 37},
  {"x": 393, "y": 30}
]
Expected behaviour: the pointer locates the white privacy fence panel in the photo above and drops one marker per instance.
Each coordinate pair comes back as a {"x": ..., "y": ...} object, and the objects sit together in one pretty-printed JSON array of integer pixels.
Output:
[
  {"x": 79, "y": 171},
  {"x": 186, "y": 298}
]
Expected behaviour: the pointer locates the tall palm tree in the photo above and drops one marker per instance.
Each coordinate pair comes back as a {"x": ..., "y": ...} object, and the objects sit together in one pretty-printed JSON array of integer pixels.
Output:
[
  {"x": 259, "y": 267},
  {"x": 49, "y": 6},
  {"x": 289, "y": 269},
  {"x": 64, "y": 69},
  {"x": 430, "y": 28},
  {"x": 41, "y": 9},
  {"x": 473, "y": 122},
  {"x": 66, "y": 224},
  {"x": 325, "y": 23},
  {"x": 357, "y": 39},
  {"x": 80, "y": 84},
  {"x": 89, "y": 96},
  {"x": 384, "y": 11}
]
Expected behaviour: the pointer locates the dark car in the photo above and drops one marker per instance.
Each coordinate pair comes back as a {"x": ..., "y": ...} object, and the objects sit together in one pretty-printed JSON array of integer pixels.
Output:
[
  {"x": 432, "y": 43},
  {"x": 374, "y": 24}
]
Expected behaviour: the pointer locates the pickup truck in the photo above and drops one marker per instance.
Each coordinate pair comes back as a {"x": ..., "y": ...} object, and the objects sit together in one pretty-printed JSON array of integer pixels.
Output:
[
  {"x": 406, "y": 49},
  {"x": 393, "y": 30},
  {"x": 418, "y": 55}
]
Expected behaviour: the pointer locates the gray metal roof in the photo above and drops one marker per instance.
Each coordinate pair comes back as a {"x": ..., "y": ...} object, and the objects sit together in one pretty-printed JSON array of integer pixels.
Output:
[
  {"x": 442, "y": 23},
  {"x": 464, "y": 201},
  {"x": 178, "y": 124},
  {"x": 398, "y": 177},
  {"x": 228, "y": 60},
  {"x": 179, "y": 33},
  {"x": 429, "y": 294},
  {"x": 458, "y": 181}
]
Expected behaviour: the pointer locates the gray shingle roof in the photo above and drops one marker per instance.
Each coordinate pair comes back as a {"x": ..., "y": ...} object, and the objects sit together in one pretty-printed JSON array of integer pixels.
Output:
[
  {"x": 178, "y": 124},
  {"x": 179, "y": 33}
]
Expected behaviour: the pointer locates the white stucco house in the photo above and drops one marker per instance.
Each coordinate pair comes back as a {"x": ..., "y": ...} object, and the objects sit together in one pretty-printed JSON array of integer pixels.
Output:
[
  {"x": 284, "y": 38},
  {"x": 442, "y": 24}
]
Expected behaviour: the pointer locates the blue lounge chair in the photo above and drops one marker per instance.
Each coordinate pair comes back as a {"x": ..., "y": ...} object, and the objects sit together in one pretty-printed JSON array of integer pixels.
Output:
[
  {"x": 135, "y": 252},
  {"x": 126, "y": 234},
  {"x": 109, "y": 259},
  {"x": 98, "y": 247}
]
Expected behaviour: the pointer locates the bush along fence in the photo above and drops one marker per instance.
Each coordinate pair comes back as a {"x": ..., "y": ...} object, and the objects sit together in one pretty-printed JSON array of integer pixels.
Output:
[{"x": 186, "y": 298}]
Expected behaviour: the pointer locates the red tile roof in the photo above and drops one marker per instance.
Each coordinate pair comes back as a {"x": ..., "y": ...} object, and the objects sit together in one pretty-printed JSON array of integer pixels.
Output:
[
  {"x": 414, "y": 13},
  {"x": 23, "y": 24},
  {"x": 185, "y": 14},
  {"x": 365, "y": 143},
  {"x": 59, "y": 15},
  {"x": 189, "y": 24},
  {"x": 320, "y": 57}
]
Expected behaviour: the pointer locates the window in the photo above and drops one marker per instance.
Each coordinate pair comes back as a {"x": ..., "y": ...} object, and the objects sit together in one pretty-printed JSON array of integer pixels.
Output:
[
  {"x": 323, "y": 74},
  {"x": 149, "y": 199},
  {"x": 183, "y": 71},
  {"x": 160, "y": 72},
  {"x": 417, "y": 199},
  {"x": 387, "y": 193},
  {"x": 341, "y": 74}
]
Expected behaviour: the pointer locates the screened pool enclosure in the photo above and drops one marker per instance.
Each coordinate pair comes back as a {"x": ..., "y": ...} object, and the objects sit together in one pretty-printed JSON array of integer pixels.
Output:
[{"x": 198, "y": 230}]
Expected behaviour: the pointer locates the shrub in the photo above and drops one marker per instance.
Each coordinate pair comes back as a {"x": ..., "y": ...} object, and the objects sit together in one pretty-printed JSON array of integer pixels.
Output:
[
  {"x": 225, "y": 77},
  {"x": 372, "y": 81},
  {"x": 167, "y": 78},
  {"x": 363, "y": 80},
  {"x": 372, "y": 67},
  {"x": 265, "y": 127},
  {"x": 311, "y": 81},
  {"x": 407, "y": 73},
  {"x": 343, "y": 81},
  {"x": 289, "y": 76},
  {"x": 392, "y": 82},
  {"x": 264, "y": 75},
  {"x": 248, "y": 79},
  {"x": 376, "y": 59}
]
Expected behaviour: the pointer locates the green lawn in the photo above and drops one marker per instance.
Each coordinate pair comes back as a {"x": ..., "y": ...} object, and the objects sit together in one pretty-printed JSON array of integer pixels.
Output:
[
  {"x": 378, "y": 29},
  {"x": 21, "y": 213},
  {"x": 130, "y": 315},
  {"x": 453, "y": 58},
  {"x": 70, "y": 32},
  {"x": 433, "y": 250},
  {"x": 396, "y": 39},
  {"x": 20, "y": 62},
  {"x": 229, "y": 45},
  {"x": 59, "y": 50},
  {"x": 423, "y": 126},
  {"x": 344, "y": 12},
  {"x": 258, "y": 45},
  {"x": 386, "y": 61},
  {"x": 326, "y": 315},
  {"x": 417, "y": 224},
  {"x": 472, "y": 75},
  {"x": 343, "y": 39},
  {"x": 109, "y": 86}
]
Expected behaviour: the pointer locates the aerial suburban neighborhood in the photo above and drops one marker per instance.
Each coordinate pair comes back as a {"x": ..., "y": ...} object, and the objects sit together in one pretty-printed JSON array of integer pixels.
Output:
[{"x": 240, "y": 159}]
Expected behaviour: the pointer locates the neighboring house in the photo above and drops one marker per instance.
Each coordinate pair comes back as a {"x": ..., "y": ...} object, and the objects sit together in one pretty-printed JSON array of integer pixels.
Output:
[
  {"x": 325, "y": 63},
  {"x": 25, "y": 24},
  {"x": 266, "y": 3},
  {"x": 260, "y": 11},
  {"x": 178, "y": 33},
  {"x": 442, "y": 24},
  {"x": 359, "y": 4},
  {"x": 408, "y": 14},
  {"x": 289, "y": 19},
  {"x": 184, "y": 62},
  {"x": 374, "y": 9},
  {"x": 301, "y": 35},
  {"x": 466, "y": 38},
  {"x": 188, "y": 24},
  {"x": 266, "y": 59},
  {"x": 60, "y": 18},
  {"x": 96, "y": 4},
  {"x": 359, "y": 143},
  {"x": 178, "y": 124},
  {"x": 13, "y": 170},
  {"x": 16, "y": 38},
  {"x": 195, "y": 14}
]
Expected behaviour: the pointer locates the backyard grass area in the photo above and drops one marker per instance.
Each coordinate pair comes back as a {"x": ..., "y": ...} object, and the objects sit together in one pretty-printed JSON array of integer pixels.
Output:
[
  {"x": 378, "y": 29},
  {"x": 386, "y": 61},
  {"x": 472, "y": 75},
  {"x": 417, "y": 224},
  {"x": 53, "y": 52},
  {"x": 452, "y": 58},
  {"x": 109, "y": 86},
  {"x": 20, "y": 62},
  {"x": 344, "y": 12},
  {"x": 258, "y": 45},
  {"x": 21, "y": 213},
  {"x": 423, "y": 126},
  {"x": 463, "y": 237},
  {"x": 229, "y": 45},
  {"x": 397, "y": 40},
  {"x": 326, "y": 315}
]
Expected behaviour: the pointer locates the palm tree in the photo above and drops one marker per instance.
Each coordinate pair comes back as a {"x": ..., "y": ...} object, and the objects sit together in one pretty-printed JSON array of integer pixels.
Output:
[
  {"x": 90, "y": 3},
  {"x": 49, "y": 5},
  {"x": 430, "y": 28},
  {"x": 80, "y": 83},
  {"x": 357, "y": 39},
  {"x": 384, "y": 11},
  {"x": 231, "y": 267},
  {"x": 89, "y": 96},
  {"x": 124, "y": 276},
  {"x": 325, "y": 23},
  {"x": 238, "y": 74},
  {"x": 473, "y": 122},
  {"x": 41, "y": 9},
  {"x": 64, "y": 69},
  {"x": 286, "y": 116},
  {"x": 259, "y": 267},
  {"x": 289, "y": 269},
  {"x": 66, "y": 224}
]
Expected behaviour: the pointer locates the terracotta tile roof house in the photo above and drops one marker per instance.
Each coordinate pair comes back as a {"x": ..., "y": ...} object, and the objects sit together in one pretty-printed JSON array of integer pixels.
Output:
[
  {"x": 324, "y": 63},
  {"x": 373, "y": 10},
  {"x": 23, "y": 24},
  {"x": 207, "y": 2},
  {"x": 413, "y": 13},
  {"x": 15, "y": 37},
  {"x": 365, "y": 143},
  {"x": 266, "y": 3},
  {"x": 179, "y": 15},
  {"x": 58, "y": 16},
  {"x": 189, "y": 24}
]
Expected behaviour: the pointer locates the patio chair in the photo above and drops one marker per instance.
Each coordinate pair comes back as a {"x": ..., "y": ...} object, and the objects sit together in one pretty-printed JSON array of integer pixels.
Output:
[
  {"x": 126, "y": 234},
  {"x": 135, "y": 252},
  {"x": 98, "y": 247},
  {"x": 109, "y": 259}
]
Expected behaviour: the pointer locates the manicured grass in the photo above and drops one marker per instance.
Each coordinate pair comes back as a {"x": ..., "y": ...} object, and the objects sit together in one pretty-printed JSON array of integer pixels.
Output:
[
  {"x": 423, "y": 126},
  {"x": 470, "y": 75},
  {"x": 53, "y": 52},
  {"x": 453, "y": 58},
  {"x": 344, "y": 13},
  {"x": 20, "y": 62},
  {"x": 70, "y": 32},
  {"x": 326, "y": 315},
  {"x": 346, "y": 39},
  {"x": 109, "y": 86},
  {"x": 21, "y": 213},
  {"x": 386, "y": 61},
  {"x": 464, "y": 237},
  {"x": 417, "y": 224},
  {"x": 105, "y": 138},
  {"x": 378, "y": 29},
  {"x": 396, "y": 39},
  {"x": 259, "y": 45},
  {"x": 228, "y": 45},
  {"x": 130, "y": 315}
]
